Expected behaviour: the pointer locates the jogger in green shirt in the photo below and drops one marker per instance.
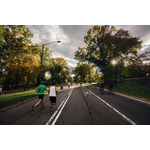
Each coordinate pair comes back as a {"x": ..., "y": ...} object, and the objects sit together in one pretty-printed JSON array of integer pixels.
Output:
[{"x": 40, "y": 89}]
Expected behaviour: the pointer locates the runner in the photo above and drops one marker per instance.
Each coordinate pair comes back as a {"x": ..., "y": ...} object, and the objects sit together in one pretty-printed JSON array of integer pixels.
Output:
[
  {"x": 110, "y": 86},
  {"x": 52, "y": 95},
  {"x": 80, "y": 83},
  {"x": 40, "y": 89},
  {"x": 68, "y": 84},
  {"x": 62, "y": 85}
]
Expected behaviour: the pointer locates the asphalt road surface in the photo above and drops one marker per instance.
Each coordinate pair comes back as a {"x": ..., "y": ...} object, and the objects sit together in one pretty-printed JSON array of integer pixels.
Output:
[{"x": 80, "y": 105}]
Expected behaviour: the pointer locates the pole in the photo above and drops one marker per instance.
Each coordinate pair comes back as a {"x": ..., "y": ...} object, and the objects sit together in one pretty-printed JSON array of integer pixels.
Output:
[
  {"x": 41, "y": 74},
  {"x": 41, "y": 63}
]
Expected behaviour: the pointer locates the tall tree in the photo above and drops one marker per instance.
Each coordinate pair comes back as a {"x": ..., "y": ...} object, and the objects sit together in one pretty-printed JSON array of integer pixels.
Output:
[
  {"x": 58, "y": 66},
  {"x": 104, "y": 44},
  {"x": 16, "y": 40},
  {"x": 82, "y": 71}
]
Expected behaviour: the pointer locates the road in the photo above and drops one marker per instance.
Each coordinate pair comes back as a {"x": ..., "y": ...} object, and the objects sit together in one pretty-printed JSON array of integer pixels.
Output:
[{"x": 84, "y": 105}]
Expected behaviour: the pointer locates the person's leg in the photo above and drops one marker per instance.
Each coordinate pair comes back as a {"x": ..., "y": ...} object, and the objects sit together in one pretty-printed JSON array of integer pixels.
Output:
[
  {"x": 51, "y": 105},
  {"x": 42, "y": 104},
  {"x": 38, "y": 103},
  {"x": 53, "y": 102},
  {"x": 42, "y": 96},
  {"x": 40, "y": 100},
  {"x": 101, "y": 89}
]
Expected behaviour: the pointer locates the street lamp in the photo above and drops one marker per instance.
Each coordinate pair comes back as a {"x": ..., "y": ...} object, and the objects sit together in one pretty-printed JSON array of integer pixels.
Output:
[{"x": 42, "y": 56}]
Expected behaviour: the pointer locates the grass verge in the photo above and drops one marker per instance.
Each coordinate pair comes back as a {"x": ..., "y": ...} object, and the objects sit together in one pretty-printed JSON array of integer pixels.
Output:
[
  {"x": 130, "y": 88},
  {"x": 14, "y": 98}
]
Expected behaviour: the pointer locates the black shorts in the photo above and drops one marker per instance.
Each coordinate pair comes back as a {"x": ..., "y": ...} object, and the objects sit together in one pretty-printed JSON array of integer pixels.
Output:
[
  {"x": 41, "y": 96},
  {"x": 52, "y": 99}
]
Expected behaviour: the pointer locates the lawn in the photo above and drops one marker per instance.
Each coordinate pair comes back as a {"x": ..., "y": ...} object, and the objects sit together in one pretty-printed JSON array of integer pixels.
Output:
[
  {"x": 14, "y": 98},
  {"x": 11, "y": 99},
  {"x": 131, "y": 88}
]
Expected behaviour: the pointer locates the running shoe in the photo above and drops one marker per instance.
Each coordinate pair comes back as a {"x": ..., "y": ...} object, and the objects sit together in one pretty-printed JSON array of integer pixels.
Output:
[
  {"x": 33, "y": 107},
  {"x": 43, "y": 106},
  {"x": 51, "y": 109}
]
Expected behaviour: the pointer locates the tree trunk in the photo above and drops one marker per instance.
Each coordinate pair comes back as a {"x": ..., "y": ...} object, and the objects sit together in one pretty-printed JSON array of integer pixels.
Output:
[
  {"x": 8, "y": 83},
  {"x": 116, "y": 75},
  {"x": 16, "y": 83},
  {"x": 27, "y": 80}
]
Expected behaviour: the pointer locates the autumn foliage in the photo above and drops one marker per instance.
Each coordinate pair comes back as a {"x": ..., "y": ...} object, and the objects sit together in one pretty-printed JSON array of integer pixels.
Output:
[{"x": 105, "y": 44}]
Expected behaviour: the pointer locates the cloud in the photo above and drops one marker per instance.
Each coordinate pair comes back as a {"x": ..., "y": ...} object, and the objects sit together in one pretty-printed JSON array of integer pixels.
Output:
[
  {"x": 72, "y": 37},
  {"x": 144, "y": 49}
]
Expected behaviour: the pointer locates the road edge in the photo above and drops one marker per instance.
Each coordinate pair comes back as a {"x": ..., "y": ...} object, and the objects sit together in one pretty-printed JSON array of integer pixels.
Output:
[{"x": 132, "y": 97}]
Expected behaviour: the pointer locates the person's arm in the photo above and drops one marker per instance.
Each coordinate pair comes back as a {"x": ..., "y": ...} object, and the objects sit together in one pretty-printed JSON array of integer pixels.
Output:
[
  {"x": 36, "y": 89},
  {"x": 49, "y": 90},
  {"x": 56, "y": 89},
  {"x": 46, "y": 89}
]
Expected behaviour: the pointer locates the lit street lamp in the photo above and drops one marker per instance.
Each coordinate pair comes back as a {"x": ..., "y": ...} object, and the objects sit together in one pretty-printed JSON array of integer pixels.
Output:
[{"x": 42, "y": 57}]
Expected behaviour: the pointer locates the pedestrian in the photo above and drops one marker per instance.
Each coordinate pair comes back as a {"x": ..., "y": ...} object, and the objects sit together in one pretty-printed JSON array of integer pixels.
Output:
[
  {"x": 61, "y": 85},
  {"x": 110, "y": 86},
  {"x": 80, "y": 83},
  {"x": 52, "y": 95},
  {"x": 68, "y": 84},
  {"x": 1, "y": 90},
  {"x": 40, "y": 89},
  {"x": 25, "y": 87}
]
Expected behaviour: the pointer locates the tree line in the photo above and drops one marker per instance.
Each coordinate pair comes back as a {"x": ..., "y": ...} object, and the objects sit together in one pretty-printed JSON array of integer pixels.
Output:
[
  {"x": 110, "y": 54},
  {"x": 114, "y": 52},
  {"x": 20, "y": 59}
]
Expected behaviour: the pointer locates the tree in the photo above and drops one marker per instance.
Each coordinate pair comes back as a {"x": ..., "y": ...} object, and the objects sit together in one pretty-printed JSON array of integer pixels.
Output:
[
  {"x": 15, "y": 41},
  {"x": 58, "y": 67},
  {"x": 82, "y": 71},
  {"x": 104, "y": 44},
  {"x": 139, "y": 66}
]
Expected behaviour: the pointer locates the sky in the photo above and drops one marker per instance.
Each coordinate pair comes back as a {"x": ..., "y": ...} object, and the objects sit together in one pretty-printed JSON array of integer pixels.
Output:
[{"x": 72, "y": 37}]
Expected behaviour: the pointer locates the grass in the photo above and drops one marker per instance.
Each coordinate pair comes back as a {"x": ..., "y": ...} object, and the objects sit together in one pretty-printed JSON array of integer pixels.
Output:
[
  {"x": 14, "y": 98},
  {"x": 131, "y": 88},
  {"x": 11, "y": 99}
]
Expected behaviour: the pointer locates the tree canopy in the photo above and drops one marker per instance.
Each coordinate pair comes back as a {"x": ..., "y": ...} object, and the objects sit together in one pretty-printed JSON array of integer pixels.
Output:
[
  {"x": 58, "y": 69},
  {"x": 105, "y": 44}
]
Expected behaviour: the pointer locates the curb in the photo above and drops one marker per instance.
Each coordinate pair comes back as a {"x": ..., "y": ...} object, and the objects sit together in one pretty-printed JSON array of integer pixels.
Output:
[
  {"x": 9, "y": 107},
  {"x": 129, "y": 96}
]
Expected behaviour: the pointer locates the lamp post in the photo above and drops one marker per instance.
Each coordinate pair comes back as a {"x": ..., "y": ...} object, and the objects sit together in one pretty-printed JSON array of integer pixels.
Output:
[{"x": 42, "y": 57}]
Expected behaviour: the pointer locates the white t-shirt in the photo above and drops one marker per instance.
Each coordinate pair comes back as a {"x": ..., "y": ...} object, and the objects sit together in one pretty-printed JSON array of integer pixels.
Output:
[
  {"x": 68, "y": 83},
  {"x": 52, "y": 91}
]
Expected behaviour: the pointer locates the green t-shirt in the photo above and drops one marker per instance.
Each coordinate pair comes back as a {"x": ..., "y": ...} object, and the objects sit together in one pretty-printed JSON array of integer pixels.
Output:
[{"x": 41, "y": 89}]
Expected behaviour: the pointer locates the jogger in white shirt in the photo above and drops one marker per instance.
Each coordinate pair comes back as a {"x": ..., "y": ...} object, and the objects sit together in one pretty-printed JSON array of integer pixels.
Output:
[{"x": 52, "y": 95}]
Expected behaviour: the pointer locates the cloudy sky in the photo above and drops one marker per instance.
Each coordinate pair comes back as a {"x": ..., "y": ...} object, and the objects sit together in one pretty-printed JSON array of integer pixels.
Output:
[{"x": 72, "y": 37}]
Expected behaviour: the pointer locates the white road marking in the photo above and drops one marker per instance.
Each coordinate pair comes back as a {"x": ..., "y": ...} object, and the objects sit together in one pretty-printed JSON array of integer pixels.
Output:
[
  {"x": 54, "y": 113},
  {"x": 56, "y": 118},
  {"x": 129, "y": 120},
  {"x": 58, "y": 112},
  {"x": 85, "y": 93}
]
